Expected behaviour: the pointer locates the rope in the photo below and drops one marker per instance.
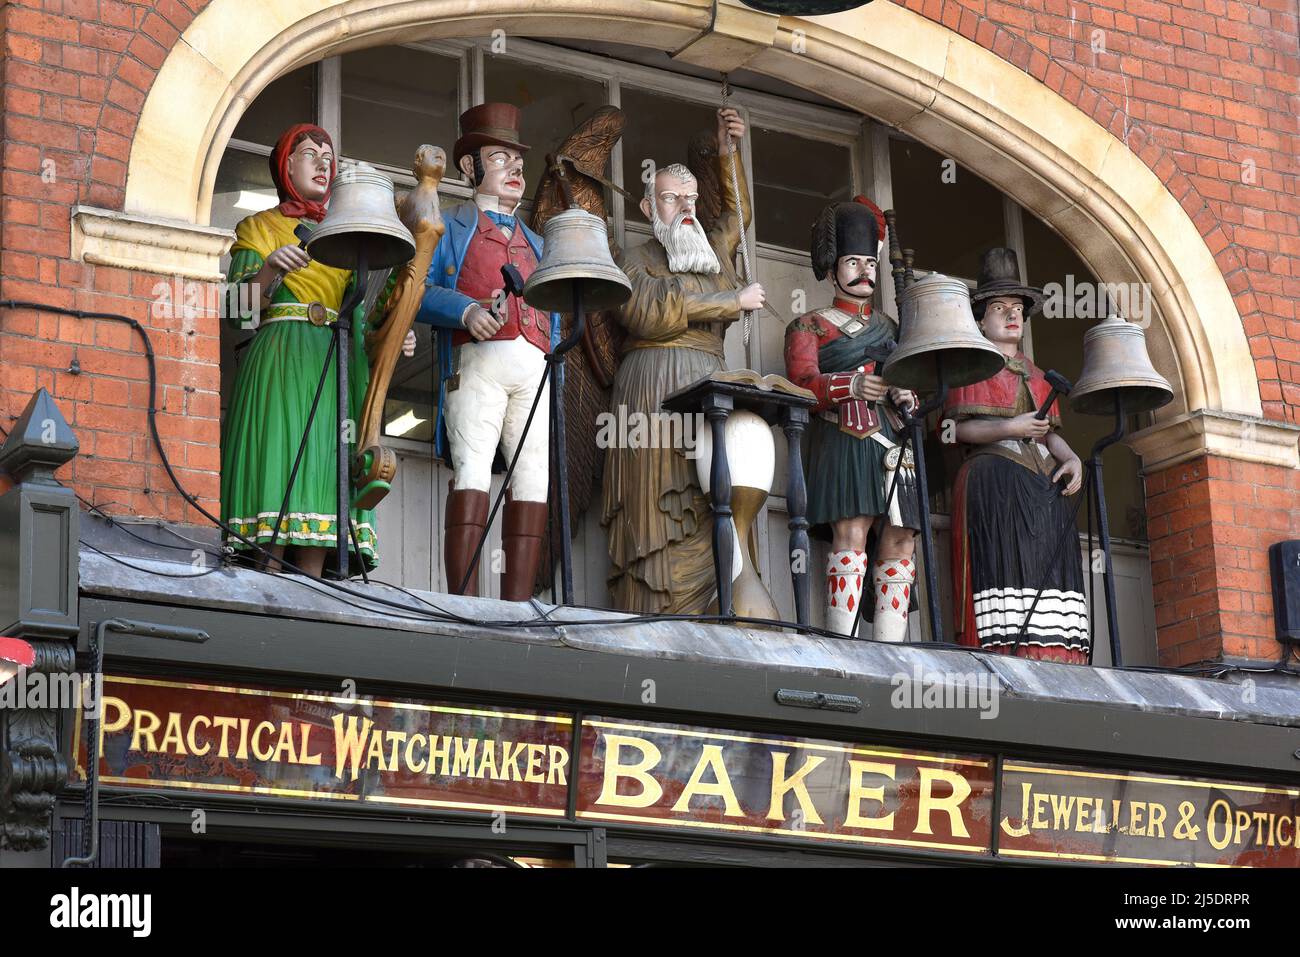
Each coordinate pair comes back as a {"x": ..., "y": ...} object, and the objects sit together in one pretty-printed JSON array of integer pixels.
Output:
[{"x": 746, "y": 317}]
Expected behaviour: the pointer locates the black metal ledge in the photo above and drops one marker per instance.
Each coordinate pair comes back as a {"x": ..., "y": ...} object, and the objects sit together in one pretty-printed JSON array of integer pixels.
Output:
[{"x": 287, "y": 631}]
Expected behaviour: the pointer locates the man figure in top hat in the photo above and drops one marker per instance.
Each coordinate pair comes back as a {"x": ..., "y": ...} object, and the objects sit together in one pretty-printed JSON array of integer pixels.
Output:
[
  {"x": 491, "y": 352},
  {"x": 685, "y": 292},
  {"x": 1010, "y": 515},
  {"x": 854, "y": 439}
]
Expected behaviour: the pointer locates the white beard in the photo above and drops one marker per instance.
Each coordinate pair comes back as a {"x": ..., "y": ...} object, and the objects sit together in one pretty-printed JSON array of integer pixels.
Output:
[{"x": 687, "y": 247}]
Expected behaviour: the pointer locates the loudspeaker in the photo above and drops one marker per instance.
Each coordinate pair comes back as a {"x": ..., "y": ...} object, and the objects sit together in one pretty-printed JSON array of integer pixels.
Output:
[{"x": 1284, "y": 562}]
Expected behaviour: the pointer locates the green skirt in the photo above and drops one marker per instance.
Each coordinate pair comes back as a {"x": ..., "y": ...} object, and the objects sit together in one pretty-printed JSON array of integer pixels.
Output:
[
  {"x": 846, "y": 474},
  {"x": 277, "y": 379}
]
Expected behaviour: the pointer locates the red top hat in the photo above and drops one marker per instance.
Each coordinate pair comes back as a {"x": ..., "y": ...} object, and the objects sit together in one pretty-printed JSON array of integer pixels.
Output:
[{"x": 489, "y": 124}]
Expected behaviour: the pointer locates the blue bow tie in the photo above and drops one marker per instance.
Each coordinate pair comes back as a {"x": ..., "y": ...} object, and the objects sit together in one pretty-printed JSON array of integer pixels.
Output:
[{"x": 501, "y": 219}]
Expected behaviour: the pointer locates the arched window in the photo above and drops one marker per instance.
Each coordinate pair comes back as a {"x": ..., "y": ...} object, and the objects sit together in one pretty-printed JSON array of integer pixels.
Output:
[{"x": 802, "y": 152}]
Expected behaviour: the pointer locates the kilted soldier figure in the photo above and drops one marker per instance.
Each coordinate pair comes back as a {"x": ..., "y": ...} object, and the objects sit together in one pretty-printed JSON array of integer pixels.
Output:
[
  {"x": 1009, "y": 502},
  {"x": 854, "y": 442}
]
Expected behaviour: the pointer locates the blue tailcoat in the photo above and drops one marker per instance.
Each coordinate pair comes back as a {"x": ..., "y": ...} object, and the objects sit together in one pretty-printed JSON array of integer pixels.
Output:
[{"x": 443, "y": 306}]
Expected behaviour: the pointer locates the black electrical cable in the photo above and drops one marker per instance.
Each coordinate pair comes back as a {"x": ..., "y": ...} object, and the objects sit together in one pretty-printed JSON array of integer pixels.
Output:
[
  {"x": 356, "y": 547},
  {"x": 875, "y": 545},
  {"x": 145, "y": 571},
  {"x": 116, "y": 523}
]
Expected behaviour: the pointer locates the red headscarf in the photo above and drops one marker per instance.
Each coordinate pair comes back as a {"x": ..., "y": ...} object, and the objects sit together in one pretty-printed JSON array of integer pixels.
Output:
[{"x": 291, "y": 203}]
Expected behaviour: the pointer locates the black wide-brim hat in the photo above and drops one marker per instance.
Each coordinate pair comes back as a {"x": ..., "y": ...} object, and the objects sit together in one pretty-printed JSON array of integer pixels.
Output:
[
  {"x": 488, "y": 124},
  {"x": 999, "y": 277}
]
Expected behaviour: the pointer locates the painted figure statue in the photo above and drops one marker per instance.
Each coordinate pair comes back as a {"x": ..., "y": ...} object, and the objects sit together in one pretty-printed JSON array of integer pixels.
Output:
[
  {"x": 281, "y": 369},
  {"x": 685, "y": 292},
  {"x": 491, "y": 351},
  {"x": 854, "y": 437},
  {"x": 1009, "y": 503}
]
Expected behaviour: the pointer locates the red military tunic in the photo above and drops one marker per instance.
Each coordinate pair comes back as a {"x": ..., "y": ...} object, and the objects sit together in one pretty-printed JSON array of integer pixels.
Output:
[
  {"x": 804, "y": 340},
  {"x": 846, "y": 470},
  {"x": 480, "y": 275}
]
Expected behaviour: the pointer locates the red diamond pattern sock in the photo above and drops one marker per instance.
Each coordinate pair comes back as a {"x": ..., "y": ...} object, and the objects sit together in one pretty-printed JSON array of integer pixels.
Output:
[
  {"x": 892, "y": 581},
  {"x": 844, "y": 573}
]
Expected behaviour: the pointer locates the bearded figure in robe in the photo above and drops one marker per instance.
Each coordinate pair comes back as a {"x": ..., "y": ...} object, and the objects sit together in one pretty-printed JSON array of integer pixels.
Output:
[{"x": 685, "y": 293}]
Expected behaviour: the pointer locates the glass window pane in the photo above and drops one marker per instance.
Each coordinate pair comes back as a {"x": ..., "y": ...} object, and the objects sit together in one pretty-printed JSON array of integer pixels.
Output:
[
  {"x": 408, "y": 411},
  {"x": 1048, "y": 258},
  {"x": 243, "y": 187},
  {"x": 794, "y": 179},
  {"x": 286, "y": 101},
  {"x": 659, "y": 128},
  {"x": 395, "y": 99},
  {"x": 551, "y": 104},
  {"x": 949, "y": 224}
]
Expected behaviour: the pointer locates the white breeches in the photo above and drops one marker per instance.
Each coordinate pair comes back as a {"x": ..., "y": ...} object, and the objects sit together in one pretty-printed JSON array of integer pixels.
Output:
[{"x": 498, "y": 381}]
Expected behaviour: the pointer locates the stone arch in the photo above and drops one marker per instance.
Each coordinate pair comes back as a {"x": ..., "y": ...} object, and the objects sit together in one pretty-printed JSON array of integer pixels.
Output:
[{"x": 882, "y": 60}]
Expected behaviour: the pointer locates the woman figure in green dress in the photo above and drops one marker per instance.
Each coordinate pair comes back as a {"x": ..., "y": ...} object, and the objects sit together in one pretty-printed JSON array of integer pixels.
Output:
[{"x": 278, "y": 377}]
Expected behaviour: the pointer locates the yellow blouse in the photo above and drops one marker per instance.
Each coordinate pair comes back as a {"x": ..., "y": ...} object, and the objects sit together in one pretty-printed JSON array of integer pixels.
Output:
[{"x": 265, "y": 232}]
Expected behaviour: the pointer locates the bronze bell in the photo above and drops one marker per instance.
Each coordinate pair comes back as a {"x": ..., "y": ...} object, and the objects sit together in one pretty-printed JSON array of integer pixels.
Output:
[
  {"x": 575, "y": 254},
  {"x": 1116, "y": 364},
  {"x": 937, "y": 332},
  {"x": 361, "y": 219}
]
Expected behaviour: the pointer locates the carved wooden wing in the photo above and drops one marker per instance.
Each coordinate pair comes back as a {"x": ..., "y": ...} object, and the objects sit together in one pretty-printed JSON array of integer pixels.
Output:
[{"x": 589, "y": 370}]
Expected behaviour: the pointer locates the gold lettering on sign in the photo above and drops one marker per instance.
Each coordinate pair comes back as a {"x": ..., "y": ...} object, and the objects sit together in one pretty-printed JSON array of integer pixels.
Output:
[
  {"x": 858, "y": 794},
  {"x": 439, "y": 753},
  {"x": 536, "y": 753},
  {"x": 172, "y": 735},
  {"x": 782, "y": 785},
  {"x": 559, "y": 761},
  {"x": 225, "y": 724},
  {"x": 242, "y": 753},
  {"x": 261, "y": 752},
  {"x": 146, "y": 723},
  {"x": 616, "y": 769},
  {"x": 950, "y": 804},
  {"x": 1024, "y": 828},
  {"x": 488, "y": 760},
  {"x": 710, "y": 759},
  {"x": 115, "y": 724},
  {"x": 189, "y": 738},
  {"x": 304, "y": 752},
  {"x": 464, "y": 762},
  {"x": 349, "y": 741},
  {"x": 416, "y": 767}
]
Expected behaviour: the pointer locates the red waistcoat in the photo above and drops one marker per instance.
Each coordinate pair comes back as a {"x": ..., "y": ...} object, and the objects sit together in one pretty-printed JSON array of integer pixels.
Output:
[{"x": 480, "y": 274}]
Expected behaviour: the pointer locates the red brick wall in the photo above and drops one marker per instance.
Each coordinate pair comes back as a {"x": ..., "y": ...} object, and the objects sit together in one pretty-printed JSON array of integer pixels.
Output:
[
  {"x": 1211, "y": 521},
  {"x": 75, "y": 75}
]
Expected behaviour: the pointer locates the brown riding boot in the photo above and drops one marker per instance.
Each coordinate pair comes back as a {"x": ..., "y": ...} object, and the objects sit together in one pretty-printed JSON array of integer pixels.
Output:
[
  {"x": 521, "y": 538},
  {"x": 463, "y": 526}
]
